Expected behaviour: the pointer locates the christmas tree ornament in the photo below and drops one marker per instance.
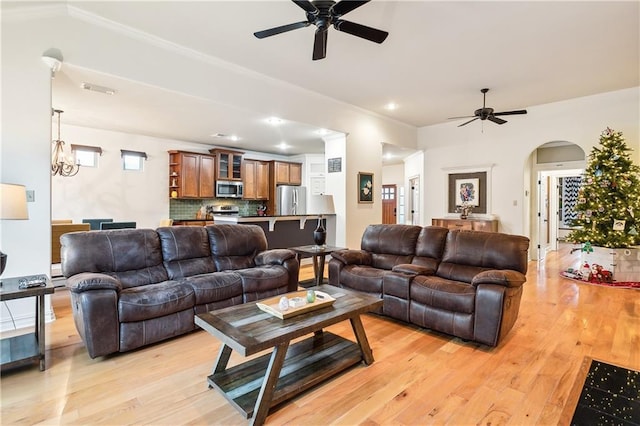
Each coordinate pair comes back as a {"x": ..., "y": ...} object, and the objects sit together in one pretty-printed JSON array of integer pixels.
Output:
[
  {"x": 633, "y": 231},
  {"x": 618, "y": 225}
]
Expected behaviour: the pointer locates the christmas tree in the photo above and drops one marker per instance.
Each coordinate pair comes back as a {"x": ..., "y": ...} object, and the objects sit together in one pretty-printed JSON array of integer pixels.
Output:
[{"x": 608, "y": 207}]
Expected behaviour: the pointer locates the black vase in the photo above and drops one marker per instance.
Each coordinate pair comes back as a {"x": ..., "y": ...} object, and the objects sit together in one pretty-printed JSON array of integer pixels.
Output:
[{"x": 320, "y": 234}]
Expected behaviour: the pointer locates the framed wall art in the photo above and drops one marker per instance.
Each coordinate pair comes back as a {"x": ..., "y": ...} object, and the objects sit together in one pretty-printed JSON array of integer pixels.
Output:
[
  {"x": 365, "y": 187},
  {"x": 470, "y": 188}
]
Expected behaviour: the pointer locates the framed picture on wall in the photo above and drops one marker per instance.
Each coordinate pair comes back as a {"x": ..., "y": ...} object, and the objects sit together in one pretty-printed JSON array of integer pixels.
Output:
[
  {"x": 469, "y": 187},
  {"x": 365, "y": 187}
]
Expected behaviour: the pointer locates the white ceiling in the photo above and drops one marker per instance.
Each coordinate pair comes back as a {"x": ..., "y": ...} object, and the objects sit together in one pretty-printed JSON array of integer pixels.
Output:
[{"x": 433, "y": 64}]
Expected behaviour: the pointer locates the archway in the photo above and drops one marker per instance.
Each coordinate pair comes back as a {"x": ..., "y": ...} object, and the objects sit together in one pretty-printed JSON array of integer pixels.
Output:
[{"x": 555, "y": 170}]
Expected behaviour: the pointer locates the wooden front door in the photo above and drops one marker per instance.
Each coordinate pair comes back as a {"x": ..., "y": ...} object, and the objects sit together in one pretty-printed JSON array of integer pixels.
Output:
[{"x": 389, "y": 203}]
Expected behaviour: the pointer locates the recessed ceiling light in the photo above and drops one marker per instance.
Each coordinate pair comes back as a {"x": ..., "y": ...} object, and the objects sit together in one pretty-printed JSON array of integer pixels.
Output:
[
  {"x": 234, "y": 138},
  {"x": 283, "y": 145},
  {"x": 391, "y": 106},
  {"x": 100, "y": 89},
  {"x": 322, "y": 132},
  {"x": 274, "y": 121}
]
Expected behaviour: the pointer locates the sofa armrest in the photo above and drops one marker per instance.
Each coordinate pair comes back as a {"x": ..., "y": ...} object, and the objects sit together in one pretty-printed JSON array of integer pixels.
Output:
[
  {"x": 503, "y": 277},
  {"x": 407, "y": 268},
  {"x": 88, "y": 281},
  {"x": 274, "y": 257},
  {"x": 352, "y": 257}
]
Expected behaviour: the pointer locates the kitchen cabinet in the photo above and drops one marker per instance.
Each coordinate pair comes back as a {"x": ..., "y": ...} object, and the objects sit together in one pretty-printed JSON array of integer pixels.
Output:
[
  {"x": 486, "y": 225},
  {"x": 191, "y": 175},
  {"x": 229, "y": 164},
  {"x": 287, "y": 173},
  {"x": 255, "y": 176}
]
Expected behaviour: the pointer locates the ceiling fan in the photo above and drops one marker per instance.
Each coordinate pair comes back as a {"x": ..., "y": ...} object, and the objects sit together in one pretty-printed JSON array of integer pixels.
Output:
[
  {"x": 485, "y": 113},
  {"x": 323, "y": 14}
]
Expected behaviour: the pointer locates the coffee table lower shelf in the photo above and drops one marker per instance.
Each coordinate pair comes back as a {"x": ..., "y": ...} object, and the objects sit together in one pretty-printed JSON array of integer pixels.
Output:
[{"x": 306, "y": 364}]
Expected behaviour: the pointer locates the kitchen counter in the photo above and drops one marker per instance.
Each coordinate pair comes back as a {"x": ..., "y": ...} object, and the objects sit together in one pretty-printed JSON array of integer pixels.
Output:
[
  {"x": 302, "y": 218},
  {"x": 284, "y": 231}
]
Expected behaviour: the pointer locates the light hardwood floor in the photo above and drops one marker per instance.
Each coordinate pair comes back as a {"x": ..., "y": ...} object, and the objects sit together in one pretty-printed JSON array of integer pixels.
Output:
[{"x": 419, "y": 377}]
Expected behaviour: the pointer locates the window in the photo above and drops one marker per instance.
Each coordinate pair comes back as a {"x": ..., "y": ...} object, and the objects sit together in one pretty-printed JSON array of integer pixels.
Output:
[
  {"x": 133, "y": 160},
  {"x": 86, "y": 156}
]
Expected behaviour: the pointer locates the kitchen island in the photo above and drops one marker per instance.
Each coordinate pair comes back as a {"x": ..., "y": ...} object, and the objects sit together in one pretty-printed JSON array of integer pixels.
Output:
[{"x": 284, "y": 231}]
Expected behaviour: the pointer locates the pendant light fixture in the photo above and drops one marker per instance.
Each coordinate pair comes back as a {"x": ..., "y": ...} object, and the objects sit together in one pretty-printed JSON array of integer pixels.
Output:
[{"x": 61, "y": 164}]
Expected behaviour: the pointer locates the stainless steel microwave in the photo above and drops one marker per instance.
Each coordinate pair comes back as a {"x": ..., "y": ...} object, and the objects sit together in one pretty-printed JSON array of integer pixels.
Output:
[{"x": 228, "y": 189}]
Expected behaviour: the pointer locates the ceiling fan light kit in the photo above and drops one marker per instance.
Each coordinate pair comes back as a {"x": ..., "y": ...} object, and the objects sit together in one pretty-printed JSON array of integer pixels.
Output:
[
  {"x": 486, "y": 113},
  {"x": 323, "y": 14}
]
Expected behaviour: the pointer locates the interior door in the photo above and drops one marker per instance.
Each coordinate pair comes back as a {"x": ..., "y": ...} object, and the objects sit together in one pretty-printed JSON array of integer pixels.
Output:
[
  {"x": 389, "y": 203},
  {"x": 543, "y": 215}
]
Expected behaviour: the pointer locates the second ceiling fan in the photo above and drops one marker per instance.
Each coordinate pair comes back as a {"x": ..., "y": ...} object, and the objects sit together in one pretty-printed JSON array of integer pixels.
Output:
[
  {"x": 323, "y": 14},
  {"x": 486, "y": 113}
]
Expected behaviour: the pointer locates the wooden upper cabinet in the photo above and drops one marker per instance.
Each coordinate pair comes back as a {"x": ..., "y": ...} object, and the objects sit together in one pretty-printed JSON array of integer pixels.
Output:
[
  {"x": 191, "y": 175},
  {"x": 256, "y": 180},
  {"x": 288, "y": 173},
  {"x": 229, "y": 164},
  {"x": 206, "y": 180}
]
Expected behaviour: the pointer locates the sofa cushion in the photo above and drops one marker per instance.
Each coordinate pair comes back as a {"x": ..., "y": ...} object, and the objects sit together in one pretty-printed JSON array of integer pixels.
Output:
[
  {"x": 390, "y": 245},
  {"x": 154, "y": 300},
  {"x": 235, "y": 246},
  {"x": 185, "y": 250},
  {"x": 484, "y": 250},
  {"x": 133, "y": 256},
  {"x": 214, "y": 287},
  {"x": 430, "y": 246},
  {"x": 444, "y": 294},
  {"x": 362, "y": 278},
  {"x": 263, "y": 281}
]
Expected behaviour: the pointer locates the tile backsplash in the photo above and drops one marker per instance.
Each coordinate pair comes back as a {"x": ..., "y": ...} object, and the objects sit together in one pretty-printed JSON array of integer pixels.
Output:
[{"x": 187, "y": 209}]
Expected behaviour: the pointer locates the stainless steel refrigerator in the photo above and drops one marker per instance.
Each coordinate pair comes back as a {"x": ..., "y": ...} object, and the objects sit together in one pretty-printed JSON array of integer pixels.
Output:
[{"x": 291, "y": 200}]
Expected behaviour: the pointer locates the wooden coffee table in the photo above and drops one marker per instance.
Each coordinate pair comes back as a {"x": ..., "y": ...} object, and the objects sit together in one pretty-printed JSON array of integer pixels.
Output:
[{"x": 263, "y": 382}]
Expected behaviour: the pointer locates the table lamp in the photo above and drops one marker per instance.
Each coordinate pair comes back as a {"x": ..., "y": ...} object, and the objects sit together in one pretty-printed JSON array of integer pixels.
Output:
[
  {"x": 13, "y": 206},
  {"x": 321, "y": 205}
]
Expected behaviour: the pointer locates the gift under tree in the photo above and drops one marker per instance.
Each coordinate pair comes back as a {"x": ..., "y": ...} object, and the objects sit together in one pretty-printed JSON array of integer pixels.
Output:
[{"x": 608, "y": 207}]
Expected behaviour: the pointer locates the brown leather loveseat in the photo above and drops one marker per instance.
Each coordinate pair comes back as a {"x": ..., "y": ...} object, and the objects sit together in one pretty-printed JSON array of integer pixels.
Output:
[
  {"x": 133, "y": 287},
  {"x": 464, "y": 283}
]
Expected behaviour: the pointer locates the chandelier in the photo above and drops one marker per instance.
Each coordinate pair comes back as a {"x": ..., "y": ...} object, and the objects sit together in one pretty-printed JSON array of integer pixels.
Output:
[{"x": 60, "y": 164}]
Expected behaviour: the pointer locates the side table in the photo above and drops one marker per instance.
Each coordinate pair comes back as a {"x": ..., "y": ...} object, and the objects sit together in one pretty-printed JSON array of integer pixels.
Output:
[
  {"x": 26, "y": 348},
  {"x": 318, "y": 253}
]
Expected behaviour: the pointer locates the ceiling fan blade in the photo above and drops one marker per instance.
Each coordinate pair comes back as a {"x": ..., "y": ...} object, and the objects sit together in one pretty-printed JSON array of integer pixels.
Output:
[
  {"x": 457, "y": 118},
  {"x": 307, "y": 6},
  {"x": 361, "y": 31},
  {"x": 281, "y": 29},
  {"x": 496, "y": 119},
  {"x": 464, "y": 124},
  {"x": 520, "y": 111},
  {"x": 343, "y": 7},
  {"x": 320, "y": 44}
]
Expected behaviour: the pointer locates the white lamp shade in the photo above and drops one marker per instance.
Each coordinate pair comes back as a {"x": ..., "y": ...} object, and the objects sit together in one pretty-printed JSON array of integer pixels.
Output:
[
  {"x": 321, "y": 204},
  {"x": 13, "y": 201}
]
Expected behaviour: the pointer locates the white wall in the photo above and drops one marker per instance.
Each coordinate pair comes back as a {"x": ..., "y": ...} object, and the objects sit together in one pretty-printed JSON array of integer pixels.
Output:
[{"x": 508, "y": 147}]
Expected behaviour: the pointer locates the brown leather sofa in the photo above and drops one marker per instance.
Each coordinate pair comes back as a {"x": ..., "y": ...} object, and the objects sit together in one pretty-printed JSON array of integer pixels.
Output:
[
  {"x": 133, "y": 287},
  {"x": 464, "y": 283}
]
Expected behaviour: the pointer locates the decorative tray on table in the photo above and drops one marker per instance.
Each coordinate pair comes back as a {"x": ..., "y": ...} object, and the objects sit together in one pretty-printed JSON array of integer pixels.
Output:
[{"x": 297, "y": 302}]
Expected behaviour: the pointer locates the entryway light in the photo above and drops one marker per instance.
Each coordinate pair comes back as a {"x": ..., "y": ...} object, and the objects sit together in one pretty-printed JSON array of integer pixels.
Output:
[
  {"x": 100, "y": 89},
  {"x": 391, "y": 106}
]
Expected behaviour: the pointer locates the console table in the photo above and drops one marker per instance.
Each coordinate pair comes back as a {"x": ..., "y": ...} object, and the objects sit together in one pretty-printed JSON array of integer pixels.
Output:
[
  {"x": 26, "y": 348},
  {"x": 486, "y": 225}
]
